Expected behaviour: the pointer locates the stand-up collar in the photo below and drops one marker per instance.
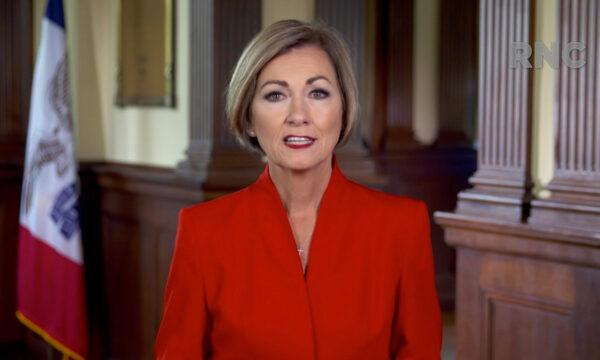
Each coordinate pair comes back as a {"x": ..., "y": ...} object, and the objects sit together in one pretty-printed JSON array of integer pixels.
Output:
[
  {"x": 332, "y": 217},
  {"x": 337, "y": 178}
]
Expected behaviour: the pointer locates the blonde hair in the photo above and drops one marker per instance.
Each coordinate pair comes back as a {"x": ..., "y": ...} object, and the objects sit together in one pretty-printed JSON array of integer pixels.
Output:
[{"x": 273, "y": 41}]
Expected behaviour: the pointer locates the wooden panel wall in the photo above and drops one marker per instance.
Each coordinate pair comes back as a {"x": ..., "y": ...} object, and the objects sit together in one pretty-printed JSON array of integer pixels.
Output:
[
  {"x": 130, "y": 219},
  {"x": 435, "y": 176},
  {"x": 524, "y": 292},
  {"x": 10, "y": 186}
]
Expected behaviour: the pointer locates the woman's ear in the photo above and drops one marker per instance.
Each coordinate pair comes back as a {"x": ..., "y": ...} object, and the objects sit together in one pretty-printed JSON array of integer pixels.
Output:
[
  {"x": 251, "y": 130},
  {"x": 250, "y": 126}
]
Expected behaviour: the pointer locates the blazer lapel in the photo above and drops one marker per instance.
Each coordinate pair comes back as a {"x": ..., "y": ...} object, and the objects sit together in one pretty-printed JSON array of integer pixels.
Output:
[
  {"x": 327, "y": 244},
  {"x": 273, "y": 225}
]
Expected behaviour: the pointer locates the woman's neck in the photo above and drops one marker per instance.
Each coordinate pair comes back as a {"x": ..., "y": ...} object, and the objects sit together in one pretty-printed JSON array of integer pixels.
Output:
[{"x": 301, "y": 191}]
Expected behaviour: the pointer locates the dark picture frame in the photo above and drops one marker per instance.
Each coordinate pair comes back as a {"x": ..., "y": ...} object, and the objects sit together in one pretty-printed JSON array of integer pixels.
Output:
[{"x": 146, "y": 56}]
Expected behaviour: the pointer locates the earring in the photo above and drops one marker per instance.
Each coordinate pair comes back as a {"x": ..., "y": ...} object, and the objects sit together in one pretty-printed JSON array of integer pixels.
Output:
[{"x": 251, "y": 133}]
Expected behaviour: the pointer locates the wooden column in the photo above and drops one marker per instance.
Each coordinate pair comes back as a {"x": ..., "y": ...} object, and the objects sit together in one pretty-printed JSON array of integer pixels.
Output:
[
  {"x": 575, "y": 188},
  {"x": 399, "y": 84},
  {"x": 219, "y": 30},
  {"x": 201, "y": 89},
  {"x": 16, "y": 44},
  {"x": 457, "y": 92},
  {"x": 502, "y": 182},
  {"x": 389, "y": 75},
  {"x": 16, "y": 65}
]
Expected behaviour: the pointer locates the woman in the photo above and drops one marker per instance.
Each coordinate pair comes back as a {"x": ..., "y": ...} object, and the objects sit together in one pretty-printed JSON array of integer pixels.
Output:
[{"x": 304, "y": 263}]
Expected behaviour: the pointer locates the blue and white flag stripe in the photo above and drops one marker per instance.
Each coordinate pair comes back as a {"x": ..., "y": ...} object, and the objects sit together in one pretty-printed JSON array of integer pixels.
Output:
[
  {"x": 49, "y": 200},
  {"x": 55, "y": 13}
]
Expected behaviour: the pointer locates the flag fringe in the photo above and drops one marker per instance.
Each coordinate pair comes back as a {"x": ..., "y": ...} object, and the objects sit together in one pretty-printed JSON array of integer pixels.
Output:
[{"x": 65, "y": 350}]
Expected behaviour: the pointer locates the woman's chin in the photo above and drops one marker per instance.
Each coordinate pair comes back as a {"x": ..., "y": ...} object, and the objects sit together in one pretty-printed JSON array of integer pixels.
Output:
[{"x": 302, "y": 163}]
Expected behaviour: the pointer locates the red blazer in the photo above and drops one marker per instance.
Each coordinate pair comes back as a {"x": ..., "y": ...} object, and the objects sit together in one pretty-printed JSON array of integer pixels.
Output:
[{"x": 236, "y": 289}]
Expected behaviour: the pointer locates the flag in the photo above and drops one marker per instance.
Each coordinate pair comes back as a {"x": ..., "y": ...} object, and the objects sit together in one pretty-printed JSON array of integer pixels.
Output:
[{"x": 50, "y": 280}]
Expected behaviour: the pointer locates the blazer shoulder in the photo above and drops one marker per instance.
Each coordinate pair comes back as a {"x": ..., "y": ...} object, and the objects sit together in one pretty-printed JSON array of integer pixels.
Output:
[
  {"x": 201, "y": 224},
  {"x": 217, "y": 208}
]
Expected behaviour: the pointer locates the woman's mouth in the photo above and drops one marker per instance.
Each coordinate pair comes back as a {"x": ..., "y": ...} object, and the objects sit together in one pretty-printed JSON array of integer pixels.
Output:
[{"x": 298, "y": 142}]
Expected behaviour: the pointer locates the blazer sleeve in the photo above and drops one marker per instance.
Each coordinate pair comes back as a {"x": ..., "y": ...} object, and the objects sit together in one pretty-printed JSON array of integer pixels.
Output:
[
  {"x": 183, "y": 331},
  {"x": 417, "y": 329}
]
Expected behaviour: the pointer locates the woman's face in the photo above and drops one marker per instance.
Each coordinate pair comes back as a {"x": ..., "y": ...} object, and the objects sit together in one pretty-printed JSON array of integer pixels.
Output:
[{"x": 296, "y": 112}]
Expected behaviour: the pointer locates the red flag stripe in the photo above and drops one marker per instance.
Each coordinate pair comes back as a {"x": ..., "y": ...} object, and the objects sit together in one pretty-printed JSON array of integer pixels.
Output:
[{"x": 51, "y": 296}]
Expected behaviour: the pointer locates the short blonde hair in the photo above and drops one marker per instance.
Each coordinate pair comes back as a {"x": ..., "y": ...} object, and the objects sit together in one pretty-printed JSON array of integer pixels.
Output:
[{"x": 273, "y": 41}]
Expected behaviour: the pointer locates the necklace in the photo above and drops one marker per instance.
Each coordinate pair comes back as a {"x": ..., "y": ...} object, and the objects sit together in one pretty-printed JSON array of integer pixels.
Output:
[{"x": 302, "y": 248}]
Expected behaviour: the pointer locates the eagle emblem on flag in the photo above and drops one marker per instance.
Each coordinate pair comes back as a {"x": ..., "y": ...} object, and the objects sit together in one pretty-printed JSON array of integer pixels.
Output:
[{"x": 50, "y": 149}]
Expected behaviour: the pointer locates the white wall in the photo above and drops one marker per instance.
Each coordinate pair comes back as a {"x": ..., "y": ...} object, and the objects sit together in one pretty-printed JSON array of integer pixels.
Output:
[
  {"x": 425, "y": 69},
  {"x": 152, "y": 135},
  {"x": 543, "y": 101}
]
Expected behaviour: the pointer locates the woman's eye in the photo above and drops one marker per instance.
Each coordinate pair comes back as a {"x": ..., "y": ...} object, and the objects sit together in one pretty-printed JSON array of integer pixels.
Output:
[
  {"x": 319, "y": 94},
  {"x": 273, "y": 96}
]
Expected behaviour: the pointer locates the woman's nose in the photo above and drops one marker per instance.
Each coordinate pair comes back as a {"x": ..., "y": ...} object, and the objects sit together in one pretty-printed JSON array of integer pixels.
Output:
[{"x": 297, "y": 114}]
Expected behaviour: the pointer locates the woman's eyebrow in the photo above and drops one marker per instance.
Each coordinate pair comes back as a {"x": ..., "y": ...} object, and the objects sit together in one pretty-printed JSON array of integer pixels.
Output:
[
  {"x": 285, "y": 84},
  {"x": 315, "y": 78},
  {"x": 276, "y": 82}
]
